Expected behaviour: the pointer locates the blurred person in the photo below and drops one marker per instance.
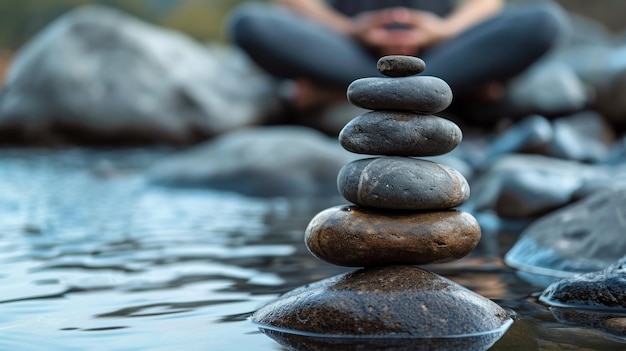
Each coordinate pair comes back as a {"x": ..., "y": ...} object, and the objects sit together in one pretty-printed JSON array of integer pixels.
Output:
[{"x": 320, "y": 47}]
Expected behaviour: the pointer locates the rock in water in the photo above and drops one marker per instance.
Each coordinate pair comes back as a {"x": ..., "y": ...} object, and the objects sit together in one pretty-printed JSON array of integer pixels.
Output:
[
  {"x": 596, "y": 299},
  {"x": 391, "y": 301},
  {"x": 601, "y": 290},
  {"x": 583, "y": 237},
  {"x": 357, "y": 237}
]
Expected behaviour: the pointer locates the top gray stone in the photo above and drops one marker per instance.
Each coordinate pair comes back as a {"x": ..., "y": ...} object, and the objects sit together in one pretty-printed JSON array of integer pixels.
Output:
[
  {"x": 416, "y": 93},
  {"x": 400, "y": 66}
]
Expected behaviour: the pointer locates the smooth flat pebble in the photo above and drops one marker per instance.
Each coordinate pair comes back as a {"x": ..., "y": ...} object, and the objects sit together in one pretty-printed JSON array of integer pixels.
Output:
[
  {"x": 416, "y": 93},
  {"x": 402, "y": 183},
  {"x": 357, "y": 237},
  {"x": 400, "y": 65},
  {"x": 399, "y": 133},
  {"x": 392, "y": 301}
]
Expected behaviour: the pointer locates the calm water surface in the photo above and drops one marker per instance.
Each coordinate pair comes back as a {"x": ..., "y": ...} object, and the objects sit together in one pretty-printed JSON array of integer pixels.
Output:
[{"x": 92, "y": 257}]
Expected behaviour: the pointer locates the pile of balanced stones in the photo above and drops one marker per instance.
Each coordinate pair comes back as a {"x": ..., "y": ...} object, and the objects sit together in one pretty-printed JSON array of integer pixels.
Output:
[{"x": 403, "y": 214}]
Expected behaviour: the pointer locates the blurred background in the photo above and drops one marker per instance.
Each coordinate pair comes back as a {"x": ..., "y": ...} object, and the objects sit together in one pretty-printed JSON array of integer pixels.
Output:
[
  {"x": 21, "y": 19},
  {"x": 202, "y": 19}
]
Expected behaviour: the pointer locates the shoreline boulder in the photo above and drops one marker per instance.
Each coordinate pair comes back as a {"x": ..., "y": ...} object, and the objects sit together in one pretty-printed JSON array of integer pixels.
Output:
[{"x": 97, "y": 75}]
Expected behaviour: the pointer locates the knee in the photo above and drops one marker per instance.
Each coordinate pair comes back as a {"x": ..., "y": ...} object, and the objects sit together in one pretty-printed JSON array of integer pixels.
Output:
[
  {"x": 552, "y": 23},
  {"x": 547, "y": 25},
  {"x": 244, "y": 22}
]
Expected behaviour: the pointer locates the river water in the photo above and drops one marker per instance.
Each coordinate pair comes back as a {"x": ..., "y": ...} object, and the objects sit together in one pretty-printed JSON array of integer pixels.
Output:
[{"x": 94, "y": 257}]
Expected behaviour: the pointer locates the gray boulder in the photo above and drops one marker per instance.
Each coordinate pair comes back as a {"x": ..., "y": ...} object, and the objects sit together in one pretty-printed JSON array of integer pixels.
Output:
[
  {"x": 262, "y": 162},
  {"x": 583, "y": 237},
  {"x": 549, "y": 88},
  {"x": 99, "y": 75},
  {"x": 584, "y": 136},
  {"x": 525, "y": 186}
]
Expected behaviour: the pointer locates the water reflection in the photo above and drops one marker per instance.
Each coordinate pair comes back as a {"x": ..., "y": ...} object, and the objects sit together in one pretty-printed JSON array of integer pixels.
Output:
[
  {"x": 94, "y": 258},
  {"x": 299, "y": 342}
]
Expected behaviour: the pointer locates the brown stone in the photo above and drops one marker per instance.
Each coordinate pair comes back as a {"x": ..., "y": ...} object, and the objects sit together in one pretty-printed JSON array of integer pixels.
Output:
[
  {"x": 392, "y": 301},
  {"x": 357, "y": 237}
]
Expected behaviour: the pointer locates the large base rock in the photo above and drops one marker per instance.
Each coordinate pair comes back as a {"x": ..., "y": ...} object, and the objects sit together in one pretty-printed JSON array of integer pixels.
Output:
[
  {"x": 390, "y": 301},
  {"x": 97, "y": 75}
]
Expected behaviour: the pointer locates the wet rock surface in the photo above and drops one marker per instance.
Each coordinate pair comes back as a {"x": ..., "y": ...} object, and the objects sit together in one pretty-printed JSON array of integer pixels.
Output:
[
  {"x": 601, "y": 290},
  {"x": 394, "y": 300},
  {"x": 357, "y": 237}
]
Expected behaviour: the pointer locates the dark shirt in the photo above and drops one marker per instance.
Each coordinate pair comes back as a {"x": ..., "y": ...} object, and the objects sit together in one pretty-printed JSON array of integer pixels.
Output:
[{"x": 353, "y": 7}]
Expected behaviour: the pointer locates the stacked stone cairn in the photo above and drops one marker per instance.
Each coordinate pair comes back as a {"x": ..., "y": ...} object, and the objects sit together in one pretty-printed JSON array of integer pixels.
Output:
[{"x": 402, "y": 215}]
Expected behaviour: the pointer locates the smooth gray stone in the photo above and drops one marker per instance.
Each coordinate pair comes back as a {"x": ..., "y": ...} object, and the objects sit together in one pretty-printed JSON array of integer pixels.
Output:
[
  {"x": 416, "y": 93},
  {"x": 397, "y": 133},
  {"x": 585, "y": 136},
  {"x": 402, "y": 183},
  {"x": 532, "y": 132},
  {"x": 400, "y": 65},
  {"x": 525, "y": 186},
  {"x": 98, "y": 75},
  {"x": 528, "y": 92},
  {"x": 585, "y": 236}
]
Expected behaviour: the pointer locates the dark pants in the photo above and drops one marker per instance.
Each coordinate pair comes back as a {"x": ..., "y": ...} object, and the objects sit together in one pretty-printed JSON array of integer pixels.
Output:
[{"x": 288, "y": 45}]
